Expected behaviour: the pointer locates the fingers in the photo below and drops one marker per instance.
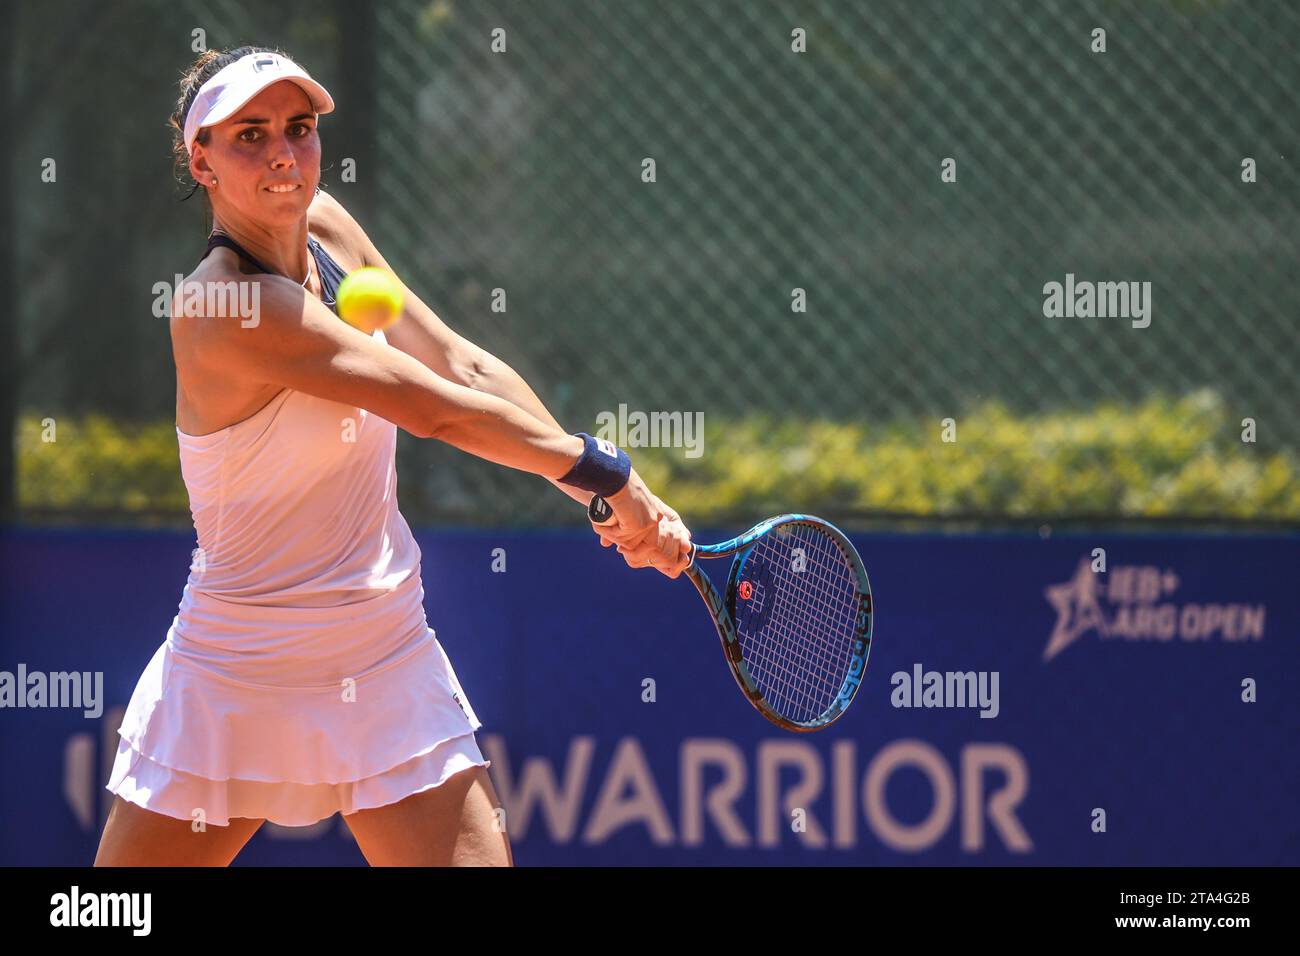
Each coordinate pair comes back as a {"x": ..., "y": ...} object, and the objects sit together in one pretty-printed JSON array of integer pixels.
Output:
[
  {"x": 677, "y": 561},
  {"x": 623, "y": 541},
  {"x": 670, "y": 567},
  {"x": 668, "y": 551},
  {"x": 674, "y": 547},
  {"x": 617, "y": 533},
  {"x": 663, "y": 543}
]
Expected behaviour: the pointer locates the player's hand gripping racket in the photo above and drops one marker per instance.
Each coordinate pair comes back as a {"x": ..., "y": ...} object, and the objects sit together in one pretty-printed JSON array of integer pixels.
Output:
[{"x": 795, "y": 623}]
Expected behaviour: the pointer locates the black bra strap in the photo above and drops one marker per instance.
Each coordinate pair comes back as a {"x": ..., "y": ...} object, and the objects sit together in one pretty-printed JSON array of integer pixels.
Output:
[
  {"x": 221, "y": 239},
  {"x": 328, "y": 270}
]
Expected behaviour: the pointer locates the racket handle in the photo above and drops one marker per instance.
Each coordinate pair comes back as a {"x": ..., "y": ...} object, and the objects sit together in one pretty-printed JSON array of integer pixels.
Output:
[{"x": 601, "y": 513}]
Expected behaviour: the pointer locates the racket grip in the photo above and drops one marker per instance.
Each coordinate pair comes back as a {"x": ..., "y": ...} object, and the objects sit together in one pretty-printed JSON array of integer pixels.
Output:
[{"x": 601, "y": 513}]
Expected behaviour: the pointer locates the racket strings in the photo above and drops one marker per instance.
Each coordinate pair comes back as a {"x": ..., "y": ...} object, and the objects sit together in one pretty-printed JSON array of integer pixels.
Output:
[
  {"x": 808, "y": 666},
  {"x": 799, "y": 649},
  {"x": 796, "y": 667}
]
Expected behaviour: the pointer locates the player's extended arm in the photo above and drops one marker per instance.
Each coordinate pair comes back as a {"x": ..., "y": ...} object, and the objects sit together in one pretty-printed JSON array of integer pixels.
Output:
[
  {"x": 474, "y": 367},
  {"x": 298, "y": 343},
  {"x": 426, "y": 338}
]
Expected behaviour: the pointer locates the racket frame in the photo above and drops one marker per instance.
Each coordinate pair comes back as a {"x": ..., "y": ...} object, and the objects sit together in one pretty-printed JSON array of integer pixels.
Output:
[{"x": 722, "y": 606}]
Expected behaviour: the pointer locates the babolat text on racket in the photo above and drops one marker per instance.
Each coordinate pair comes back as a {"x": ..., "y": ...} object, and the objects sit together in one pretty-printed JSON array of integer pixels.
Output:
[{"x": 795, "y": 621}]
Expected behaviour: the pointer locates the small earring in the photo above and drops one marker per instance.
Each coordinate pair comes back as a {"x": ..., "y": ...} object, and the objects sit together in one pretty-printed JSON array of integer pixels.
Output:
[{"x": 214, "y": 180}]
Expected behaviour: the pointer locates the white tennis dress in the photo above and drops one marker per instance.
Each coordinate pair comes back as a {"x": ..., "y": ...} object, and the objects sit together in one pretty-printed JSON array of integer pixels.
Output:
[{"x": 299, "y": 677}]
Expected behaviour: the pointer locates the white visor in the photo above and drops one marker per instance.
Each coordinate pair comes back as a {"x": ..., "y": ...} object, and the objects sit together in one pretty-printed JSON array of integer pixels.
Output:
[{"x": 222, "y": 96}]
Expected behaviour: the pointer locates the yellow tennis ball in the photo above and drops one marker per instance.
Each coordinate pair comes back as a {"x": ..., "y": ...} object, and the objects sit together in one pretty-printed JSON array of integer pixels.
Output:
[{"x": 370, "y": 298}]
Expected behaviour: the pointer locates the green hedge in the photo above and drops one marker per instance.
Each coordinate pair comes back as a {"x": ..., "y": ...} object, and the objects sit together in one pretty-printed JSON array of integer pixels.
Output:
[
  {"x": 1164, "y": 456},
  {"x": 97, "y": 463}
]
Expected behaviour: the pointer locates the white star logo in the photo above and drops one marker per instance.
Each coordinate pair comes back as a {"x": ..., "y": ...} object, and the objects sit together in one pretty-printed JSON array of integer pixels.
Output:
[{"x": 1076, "y": 608}]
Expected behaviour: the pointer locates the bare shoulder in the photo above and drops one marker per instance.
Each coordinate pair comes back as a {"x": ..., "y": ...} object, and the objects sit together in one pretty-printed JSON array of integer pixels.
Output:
[
  {"x": 331, "y": 221},
  {"x": 209, "y": 310},
  {"x": 195, "y": 313},
  {"x": 223, "y": 317}
]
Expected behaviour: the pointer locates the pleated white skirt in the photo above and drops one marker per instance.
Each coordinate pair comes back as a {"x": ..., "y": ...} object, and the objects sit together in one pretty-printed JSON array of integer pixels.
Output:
[{"x": 324, "y": 712}]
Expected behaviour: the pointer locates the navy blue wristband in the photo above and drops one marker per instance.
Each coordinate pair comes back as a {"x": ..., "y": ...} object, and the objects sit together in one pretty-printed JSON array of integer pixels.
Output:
[{"x": 603, "y": 469}]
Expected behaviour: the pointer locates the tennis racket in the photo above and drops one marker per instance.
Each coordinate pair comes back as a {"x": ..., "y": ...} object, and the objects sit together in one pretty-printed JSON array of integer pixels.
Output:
[{"x": 795, "y": 622}]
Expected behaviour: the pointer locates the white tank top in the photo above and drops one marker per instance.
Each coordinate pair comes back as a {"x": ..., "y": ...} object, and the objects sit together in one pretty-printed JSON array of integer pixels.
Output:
[
  {"x": 296, "y": 506},
  {"x": 305, "y": 571}
]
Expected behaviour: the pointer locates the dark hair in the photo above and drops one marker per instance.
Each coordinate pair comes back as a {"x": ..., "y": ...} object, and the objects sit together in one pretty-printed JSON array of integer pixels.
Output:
[{"x": 209, "y": 63}]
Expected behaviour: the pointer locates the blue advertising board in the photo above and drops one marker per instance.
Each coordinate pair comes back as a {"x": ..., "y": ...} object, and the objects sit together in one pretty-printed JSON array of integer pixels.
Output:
[{"x": 1021, "y": 705}]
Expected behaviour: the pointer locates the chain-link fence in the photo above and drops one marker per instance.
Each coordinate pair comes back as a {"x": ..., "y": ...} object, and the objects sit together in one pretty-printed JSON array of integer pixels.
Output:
[
  {"x": 837, "y": 220},
  {"x": 775, "y": 170}
]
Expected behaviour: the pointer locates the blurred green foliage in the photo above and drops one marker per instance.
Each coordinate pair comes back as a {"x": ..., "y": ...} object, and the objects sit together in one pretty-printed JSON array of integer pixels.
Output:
[
  {"x": 1163, "y": 457},
  {"x": 93, "y": 462}
]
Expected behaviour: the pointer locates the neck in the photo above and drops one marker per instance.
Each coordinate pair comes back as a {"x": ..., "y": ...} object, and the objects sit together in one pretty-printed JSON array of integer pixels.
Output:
[{"x": 284, "y": 250}]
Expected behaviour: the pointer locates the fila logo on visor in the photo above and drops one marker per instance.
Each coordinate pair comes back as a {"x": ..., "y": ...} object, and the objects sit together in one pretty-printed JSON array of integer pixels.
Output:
[
  {"x": 607, "y": 446},
  {"x": 263, "y": 62}
]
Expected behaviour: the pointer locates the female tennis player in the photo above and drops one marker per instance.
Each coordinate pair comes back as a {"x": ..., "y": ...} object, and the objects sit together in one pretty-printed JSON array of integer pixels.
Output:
[{"x": 299, "y": 677}]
